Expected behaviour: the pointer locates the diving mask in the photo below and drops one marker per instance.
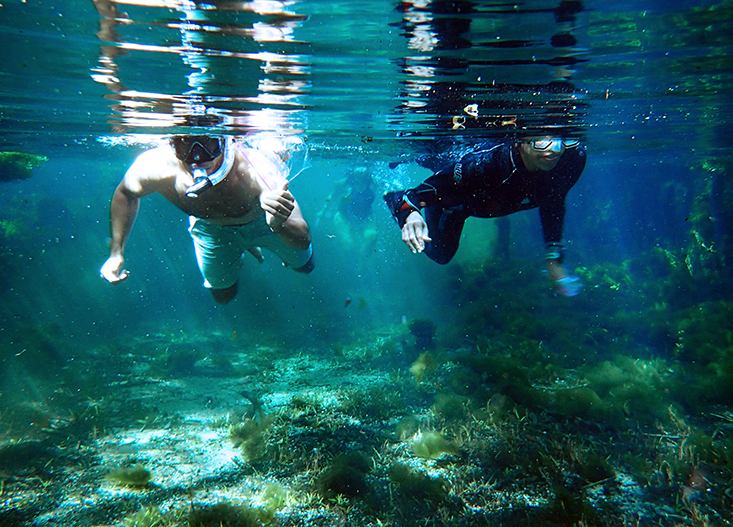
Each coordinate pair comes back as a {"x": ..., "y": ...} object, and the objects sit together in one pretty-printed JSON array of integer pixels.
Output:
[
  {"x": 555, "y": 144},
  {"x": 197, "y": 149}
]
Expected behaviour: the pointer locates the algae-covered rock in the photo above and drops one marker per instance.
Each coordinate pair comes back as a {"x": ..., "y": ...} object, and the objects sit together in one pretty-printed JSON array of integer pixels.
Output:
[{"x": 18, "y": 165}]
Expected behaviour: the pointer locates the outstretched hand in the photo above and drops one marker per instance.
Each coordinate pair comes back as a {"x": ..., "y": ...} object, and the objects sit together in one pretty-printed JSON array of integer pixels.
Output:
[
  {"x": 415, "y": 233},
  {"x": 278, "y": 205},
  {"x": 112, "y": 270},
  {"x": 566, "y": 284}
]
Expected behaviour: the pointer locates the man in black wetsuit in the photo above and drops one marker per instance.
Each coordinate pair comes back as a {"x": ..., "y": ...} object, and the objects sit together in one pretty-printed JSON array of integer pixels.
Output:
[{"x": 490, "y": 181}]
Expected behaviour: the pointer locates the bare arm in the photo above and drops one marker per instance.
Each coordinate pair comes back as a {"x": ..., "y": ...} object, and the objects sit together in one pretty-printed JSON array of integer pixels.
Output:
[
  {"x": 284, "y": 217},
  {"x": 123, "y": 211}
]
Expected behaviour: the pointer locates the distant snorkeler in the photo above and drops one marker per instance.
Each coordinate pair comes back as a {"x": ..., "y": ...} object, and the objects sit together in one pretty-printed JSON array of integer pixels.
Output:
[
  {"x": 237, "y": 199},
  {"x": 492, "y": 180}
]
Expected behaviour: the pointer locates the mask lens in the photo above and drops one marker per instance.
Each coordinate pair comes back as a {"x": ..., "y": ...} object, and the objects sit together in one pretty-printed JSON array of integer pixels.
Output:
[
  {"x": 196, "y": 148},
  {"x": 570, "y": 143},
  {"x": 541, "y": 144}
]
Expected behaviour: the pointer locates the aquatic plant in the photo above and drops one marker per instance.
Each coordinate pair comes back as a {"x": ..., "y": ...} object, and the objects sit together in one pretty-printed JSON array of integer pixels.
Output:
[
  {"x": 714, "y": 449},
  {"x": 417, "y": 487},
  {"x": 593, "y": 467},
  {"x": 134, "y": 476},
  {"x": 225, "y": 514},
  {"x": 251, "y": 436},
  {"x": 18, "y": 165},
  {"x": 499, "y": 407},
  {"x": 375, "y": 402},
  {"x": 568, "y": 507},
  {"x": 273, "y": 498},
  {"x": 431, "y": 445},
  {"x": 422, "y": 365},
  {"x": 407, "y": 427},
  {"x": 345, "y": 477},
  {"x": 9, "y": 228},
  {"x": 424, "y": 332},
  {"x": 579, "y": 401},
  {"x": 450, "y": 407},
  {"x": 705, "y": 347},
  {"x": 146, "y": 517}
]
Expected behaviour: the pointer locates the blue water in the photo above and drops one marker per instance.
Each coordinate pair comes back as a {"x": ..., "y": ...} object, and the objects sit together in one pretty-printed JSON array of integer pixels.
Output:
[{"x": 370, "y": 84}]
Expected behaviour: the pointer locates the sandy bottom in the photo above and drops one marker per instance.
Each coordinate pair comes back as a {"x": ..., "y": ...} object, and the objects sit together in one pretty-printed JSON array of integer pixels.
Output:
[{"x": 290, "y": 438}]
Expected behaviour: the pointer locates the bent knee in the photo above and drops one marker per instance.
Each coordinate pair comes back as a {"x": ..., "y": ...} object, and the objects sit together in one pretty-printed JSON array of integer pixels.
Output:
[
  {"x": 440, "y": 257},
  {"x": 224, "y": 296},
  {"x": 307, "y": 267}
]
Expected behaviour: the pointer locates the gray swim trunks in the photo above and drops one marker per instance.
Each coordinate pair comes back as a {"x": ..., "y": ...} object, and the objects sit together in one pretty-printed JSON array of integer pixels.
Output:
[{"x": 220, "y": 249}]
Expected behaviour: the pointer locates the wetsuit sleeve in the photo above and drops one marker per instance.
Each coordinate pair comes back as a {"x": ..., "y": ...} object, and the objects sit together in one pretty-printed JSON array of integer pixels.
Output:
[
  {"x": 552, "y": 216},
  {"x": 456, "y": 182},
  {"x": 552, "y": 208},
  {"x": 434, "y": 188}
]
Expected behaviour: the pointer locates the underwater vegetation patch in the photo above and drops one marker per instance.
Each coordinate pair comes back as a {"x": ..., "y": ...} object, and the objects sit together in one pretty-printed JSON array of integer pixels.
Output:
[
  {"x": 375, "y": 402},
  {"x": 705, "y": 350},
  {"x": 424, "y": 332},
  {"x": 228, "y": 515},
  {"x": 18, "y": 165},
  {"x": 345, "y": 477},
  {"x": 250, "y": 435},
  {"x": 146, "y": 517},
  {"x": 134, "y": 476},
  {"x": 424, "y": 364},
  {"x": 432, "y": 445},
  {"x": 415, "y": 486}
]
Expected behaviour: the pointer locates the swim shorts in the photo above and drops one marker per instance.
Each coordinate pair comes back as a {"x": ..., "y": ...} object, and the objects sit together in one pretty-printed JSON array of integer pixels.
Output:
[{"x": 220, "y": 249}]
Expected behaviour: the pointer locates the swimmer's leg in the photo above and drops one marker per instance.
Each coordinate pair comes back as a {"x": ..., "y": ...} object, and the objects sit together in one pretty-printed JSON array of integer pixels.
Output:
[
  {"x": 257, "y": 253},
  {"x": 307, "y": 267},
  {"x": 226, "y": 295},
  {"x": 444, "y": 227}
]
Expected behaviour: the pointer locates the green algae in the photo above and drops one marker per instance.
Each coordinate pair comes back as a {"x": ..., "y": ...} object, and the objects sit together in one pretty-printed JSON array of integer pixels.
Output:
[
  {"x": 19, "y": 165},
  {"x": 346, "y": 476},
  {"x": 135, "y": 476},
  {"x": 432, "y": 445},
  {"x": 415, "y": 486}
]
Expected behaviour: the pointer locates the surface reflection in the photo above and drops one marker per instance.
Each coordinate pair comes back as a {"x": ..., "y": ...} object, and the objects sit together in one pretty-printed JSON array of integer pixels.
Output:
[
  {"x": 490, "y": 67},
  {"x": 238, "y": 60}
]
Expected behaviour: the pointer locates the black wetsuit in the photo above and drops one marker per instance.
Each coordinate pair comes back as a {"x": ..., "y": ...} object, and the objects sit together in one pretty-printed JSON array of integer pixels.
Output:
[{"x": 488, "y": 182}]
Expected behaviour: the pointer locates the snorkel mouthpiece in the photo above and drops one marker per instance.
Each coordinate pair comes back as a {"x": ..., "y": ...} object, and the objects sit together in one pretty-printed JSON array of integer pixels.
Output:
[{"x": 201, "y": 183}]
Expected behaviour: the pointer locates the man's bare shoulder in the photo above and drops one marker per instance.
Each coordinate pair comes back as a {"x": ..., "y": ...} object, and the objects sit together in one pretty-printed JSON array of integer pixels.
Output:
[
  {"x": 262, "y": 168},
  {"x": 152, "y": 170}
]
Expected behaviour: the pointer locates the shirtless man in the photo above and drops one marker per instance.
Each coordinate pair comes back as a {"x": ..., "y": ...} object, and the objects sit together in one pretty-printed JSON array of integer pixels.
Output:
[{"x": 237, "y": 199}]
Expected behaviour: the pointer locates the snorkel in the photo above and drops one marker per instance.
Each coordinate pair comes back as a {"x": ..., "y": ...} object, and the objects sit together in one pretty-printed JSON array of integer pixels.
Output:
[{"x": 203, "y": 181}]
